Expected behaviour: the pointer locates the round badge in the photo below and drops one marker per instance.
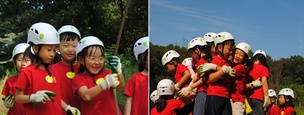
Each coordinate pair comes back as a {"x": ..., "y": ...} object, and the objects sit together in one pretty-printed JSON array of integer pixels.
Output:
[
  {"x": 98, "y": 81},
  {"x": 49, "y": 79},
  {"x": 70, "y": 75}
]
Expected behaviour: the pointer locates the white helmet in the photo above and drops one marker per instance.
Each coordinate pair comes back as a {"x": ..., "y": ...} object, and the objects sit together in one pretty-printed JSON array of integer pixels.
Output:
[
  {"x": 168, "y": 56},
  {"x": 209, "y": 37},
  {"x": 287, "y": 92},
  {"x": 42, "y": 33},
  {"x": 197, "y": 41},
  {"x": 69, "y": 28},
  {"x": 88, "y": 41},
  {"x": 165, "y": 87},
  {"x": 154, "y": 96},
  {"x": 20, "y": 48},
  {"x": 187, "y": 61},
  {"x": 259, "y": 52},
  {"x": 244, "y": 47},
  {"x": 271, "y": 93},
  {"x": 140, "y": 46},
  {"x": 222, "y": 36}
]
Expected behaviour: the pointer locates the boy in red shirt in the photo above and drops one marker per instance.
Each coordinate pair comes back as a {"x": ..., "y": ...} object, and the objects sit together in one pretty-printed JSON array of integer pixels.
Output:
[
  {"x": 137, "y": 87},
  {"x": 271, "y": 108},
  {"x": 67, "y": 68},
  {"x": 93, "y": 82},
  {"x": 9, "y": 90},
  {"x": 286, "y": 96}
]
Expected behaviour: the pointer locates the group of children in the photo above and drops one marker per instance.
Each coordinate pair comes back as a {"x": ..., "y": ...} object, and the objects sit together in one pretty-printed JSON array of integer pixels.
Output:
[
  {"x": 218, "y": 78},
  {"x": 78, "y": 83}
]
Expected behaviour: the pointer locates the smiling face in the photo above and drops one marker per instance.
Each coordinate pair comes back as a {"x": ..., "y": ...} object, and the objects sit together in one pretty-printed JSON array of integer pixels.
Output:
[
  {"x": 226, "y": 49},
  {"x": 94, "y": 60},
  {"x": 239, "y": 56},
  {"x": 68, "y": 50}
]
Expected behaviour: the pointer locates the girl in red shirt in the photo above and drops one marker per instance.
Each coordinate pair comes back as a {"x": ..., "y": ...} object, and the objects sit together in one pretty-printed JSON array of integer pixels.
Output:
[
  {"x": 286, "y": 96},
  {"x": 271, "y": 107},
  {"x": 92, "y": 83},
  {"x": 136, "y": 89},
  {"x": 9, "y": 90}
]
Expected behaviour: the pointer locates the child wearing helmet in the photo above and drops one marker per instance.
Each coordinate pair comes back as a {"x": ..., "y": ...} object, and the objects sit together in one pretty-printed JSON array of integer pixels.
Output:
[
  {"x": 9, "y": 87},
  {"x": 286, "y": 95},
  {"x": 67, "y": 68},
  {"x": 209, "y": 38},
  {"x": 37, "y": 87},
  {"x": 92, "y": 83},
  {"x": 154, "y": 96},
  {"x": 136, "y": 89},
  {"x": 271, "y": 107},
  {"x": 181, "y": 73},
  {"x": 258, "y": 74},
  {"x": 166, "y": 104}
]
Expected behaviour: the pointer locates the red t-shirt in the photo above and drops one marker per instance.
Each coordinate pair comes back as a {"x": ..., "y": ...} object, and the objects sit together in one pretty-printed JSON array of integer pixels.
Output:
[
  {"x": 171, "y": 107},
  {"x": 274, "y": 110},
  {"x": 222, "y": 86},
  {"x": 180, "y": 69},
  {"x": 203, "y": 87},
  {"x": 258, "y": 71},
  {"x": 103, "y": 103},
  {"x": 238, "y": 87},
  {"x": 286, "y": 111},
  {"x": 8, "y": 89},
  {"x": 32, "y": 79},
  {"x": 65, "y": 74},
  {"x": 137, "y": 88}
]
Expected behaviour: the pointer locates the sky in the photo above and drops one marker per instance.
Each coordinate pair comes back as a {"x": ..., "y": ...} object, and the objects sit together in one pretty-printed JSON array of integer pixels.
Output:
[{"x": 275, "y": 26}]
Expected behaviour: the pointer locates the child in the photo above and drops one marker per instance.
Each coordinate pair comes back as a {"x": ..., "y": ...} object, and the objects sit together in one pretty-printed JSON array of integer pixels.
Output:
[
  {"x": 271, "y": 108},
  {"x": 241, "y": 56},
  {"x": 286, "y": 96},
  {"x": 137, "y": 87},
  {"x": 9, "y": 90},
  {"x": 181, "y": 73},
  {"x": 93, "y": 82},
  {"x": 66, "y": 68},
  {"x": 154, "y": 96},
  {"x": 258, "y": 70},
  {"x": 36, "y": 87},
  {"x": 166, "y": 104},
  {"x": 209, "y": 38},
  {"x": 200, "y": 54}
]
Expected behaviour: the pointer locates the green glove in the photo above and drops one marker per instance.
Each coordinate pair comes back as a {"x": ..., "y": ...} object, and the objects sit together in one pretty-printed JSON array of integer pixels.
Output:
[
  {"x": 72, "y": 110},
  {"x": 42, "y": 96},
  {"x": 8, "y": 101},
  {"x": 115, "y": 64},
  {"x": 204, "y": 68}
]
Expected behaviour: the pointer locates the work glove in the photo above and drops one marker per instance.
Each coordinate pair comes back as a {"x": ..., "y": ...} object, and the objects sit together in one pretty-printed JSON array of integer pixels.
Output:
[
  {"x": 176, "y": 86},
  {"x": 8, "y": 101},
  {"x": 72, "y": 110},
  {"x": 110, "y": 81},
  {"x": 184, "y": 91},
  {"x": 202, "y": 69},
  {"x": 228, "y": 70},
  {"x": 256, "y": 83},
  {"x": 42, "y": 96},
  {"x": 115, "y": 64},
  {"x": 265, "y": 102}
]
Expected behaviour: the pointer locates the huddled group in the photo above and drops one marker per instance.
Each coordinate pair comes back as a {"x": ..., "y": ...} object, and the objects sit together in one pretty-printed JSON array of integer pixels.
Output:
[
  {"x": 76, "y": 82},
  {"x": 218, "y": 78}
]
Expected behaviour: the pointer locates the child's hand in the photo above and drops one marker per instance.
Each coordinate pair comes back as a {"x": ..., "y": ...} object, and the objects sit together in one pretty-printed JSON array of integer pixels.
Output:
[
  {"x": 202, "y": 69},
  {"x": 115, "y": 64},
  {"x": 110, "y": 80},
  {"x": 72, "y": 110},
  {"x": 185, "y": 91},
  {"x": 256, "y": 83},
  {"x": 176, "y": 86},
  {"x": 9, "y": 101},
  {"x": 265, "y": 102},
  {"x": 228, "y": 70},
  {"x": 42, "y": 96}
]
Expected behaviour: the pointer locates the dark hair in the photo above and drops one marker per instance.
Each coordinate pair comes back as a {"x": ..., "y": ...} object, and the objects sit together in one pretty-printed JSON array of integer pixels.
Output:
[
  {"x": 223, "y": 45},
  {"x": 205, "y": 49},
  {"x": 261, "y": 58},
  {"x": 84, "y": 52},
  {"x": 161, "y": 102},
  {"x": 142, "y": 63},
  {"x": 287, "y": 103},
  {"x": 69, "y": 36}
]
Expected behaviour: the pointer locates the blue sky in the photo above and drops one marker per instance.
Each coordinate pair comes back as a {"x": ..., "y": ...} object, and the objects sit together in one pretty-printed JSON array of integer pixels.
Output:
[{"x": 275, "y": 26}]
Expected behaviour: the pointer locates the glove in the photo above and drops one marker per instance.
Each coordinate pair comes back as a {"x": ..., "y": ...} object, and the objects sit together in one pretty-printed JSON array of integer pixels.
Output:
[
  {"x": 256, "y": 83},
  {"x": 72, "y": 110},
  {"x": 202, "y": 69},
  {"x": 228, "y": 70},
  {"x": 42, "y": 96},
  {"x": 115, "y": 64},
  {"x": 110, "y": 80},
  {"x": 176, "y": 86},
  {"x": 265, "y": 102},
  {"x": 8, "y": 101},
  {"x": 185, "y": 91}
]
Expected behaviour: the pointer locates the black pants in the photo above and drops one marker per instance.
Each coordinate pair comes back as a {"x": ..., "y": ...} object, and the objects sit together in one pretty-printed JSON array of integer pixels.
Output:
[
  {"x": 218, "y": 105},
  {"x": 186, "y": 110}
]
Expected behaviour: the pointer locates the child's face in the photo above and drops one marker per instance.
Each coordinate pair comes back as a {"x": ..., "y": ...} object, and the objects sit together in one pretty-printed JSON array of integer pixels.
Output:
[
  {"x": 170, "y": 67},
  {"x": 194, "y": 56},
  {"x": 22, "y": 62},
  {"x": 239, "y": 56},
  {"x": 271, "y": 100},
  {"x": 47, "y": 52},
  {"x": 213, "y": 50},
  {"x": 227, "y": 50},
  {"x": 68, "y": 50},
  {"x": 94, "y": 62},
  {"x": 281, "y": 99}
]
